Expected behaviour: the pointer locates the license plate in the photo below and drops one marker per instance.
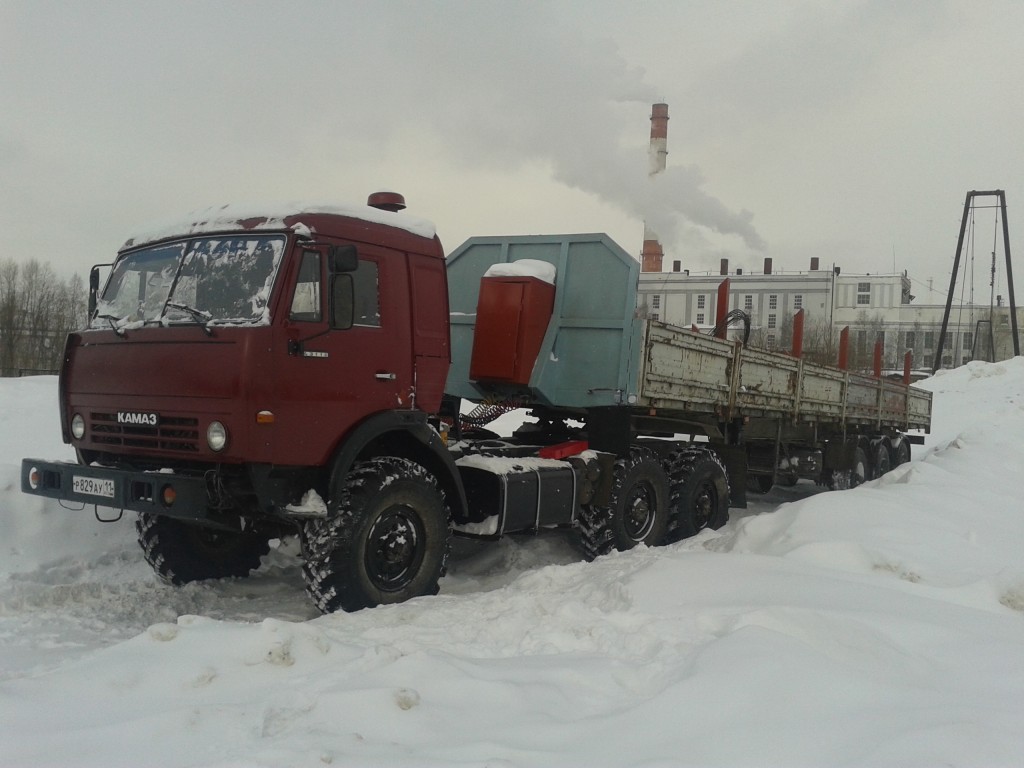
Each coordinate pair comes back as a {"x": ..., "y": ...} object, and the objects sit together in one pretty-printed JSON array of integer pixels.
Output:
[{"x": 93, "y": 486}]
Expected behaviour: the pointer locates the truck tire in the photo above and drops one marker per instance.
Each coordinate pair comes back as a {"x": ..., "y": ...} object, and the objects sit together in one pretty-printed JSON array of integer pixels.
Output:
[
  {"x": 839, "y": 480},
  {"x": 181, "y": 553},
  {"x": 900, "y": 452},
  {"x": 385, "y": 540},
  {"x": 637, "y": 511},
  {"x": 881, "y": 458},
  {"x": 699, "y": 492},
  {"x": 859, "y": 473}
]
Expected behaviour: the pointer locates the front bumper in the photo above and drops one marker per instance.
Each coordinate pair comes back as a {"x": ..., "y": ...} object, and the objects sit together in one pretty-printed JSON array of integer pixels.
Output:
[{"x": 183, "y": 496}]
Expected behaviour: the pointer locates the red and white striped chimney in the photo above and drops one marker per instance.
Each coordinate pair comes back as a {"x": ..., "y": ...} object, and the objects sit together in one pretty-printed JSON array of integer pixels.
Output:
[
  {"x": 652, "y": 254},
  {"x": 658, "y": 152}
]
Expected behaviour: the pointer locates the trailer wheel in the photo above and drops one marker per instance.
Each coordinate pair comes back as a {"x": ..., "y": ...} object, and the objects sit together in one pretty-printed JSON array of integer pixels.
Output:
[
  {"x": 700, "y": 492},
  {"x": 181, "y": 553},
  {"x": 900, "y": 452},
  {"x": 881, "y": 460},
  {"x": 839, "y": 480},
  {"x": 859, "y": 473},
  {"x": 385, "y": 540},
  {"x": 637, "y": 511}
]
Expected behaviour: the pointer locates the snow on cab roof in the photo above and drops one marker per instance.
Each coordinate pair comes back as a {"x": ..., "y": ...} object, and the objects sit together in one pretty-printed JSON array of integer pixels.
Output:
[{"x": 271, "y": 216}]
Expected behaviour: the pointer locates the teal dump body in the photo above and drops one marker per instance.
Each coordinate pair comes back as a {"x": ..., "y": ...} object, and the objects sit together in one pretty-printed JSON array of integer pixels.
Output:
[{"x": 591, "y": 351}]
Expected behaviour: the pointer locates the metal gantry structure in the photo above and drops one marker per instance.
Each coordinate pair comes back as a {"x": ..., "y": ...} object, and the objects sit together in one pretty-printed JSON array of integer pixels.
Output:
[{"x": 968, "y": 202}]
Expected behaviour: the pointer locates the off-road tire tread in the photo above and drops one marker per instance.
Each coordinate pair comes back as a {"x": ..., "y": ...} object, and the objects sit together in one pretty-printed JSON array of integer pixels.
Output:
[
  {"x": 326, "y": 541},
  {"x": 168, "y": 545}
]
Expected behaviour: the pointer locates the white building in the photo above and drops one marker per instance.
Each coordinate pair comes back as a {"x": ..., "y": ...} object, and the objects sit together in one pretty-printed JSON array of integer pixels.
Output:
[{"x": 873, "y": 306}]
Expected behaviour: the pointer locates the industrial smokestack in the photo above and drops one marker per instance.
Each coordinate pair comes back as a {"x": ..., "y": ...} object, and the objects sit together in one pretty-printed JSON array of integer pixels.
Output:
[
  {"x": 724, "y": 267},
  {"x": 768, "y": 265},
  {"x": 658, "y": 152},
  {"x": 652, "y": 255}
]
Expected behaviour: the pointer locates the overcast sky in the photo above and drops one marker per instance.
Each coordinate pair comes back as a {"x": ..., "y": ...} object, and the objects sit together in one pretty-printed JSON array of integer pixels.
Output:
[{"x": 846, "y": 130}]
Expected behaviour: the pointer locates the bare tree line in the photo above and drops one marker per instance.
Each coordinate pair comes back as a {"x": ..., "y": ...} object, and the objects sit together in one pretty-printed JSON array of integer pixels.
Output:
[{"x": 37, "y": 310}]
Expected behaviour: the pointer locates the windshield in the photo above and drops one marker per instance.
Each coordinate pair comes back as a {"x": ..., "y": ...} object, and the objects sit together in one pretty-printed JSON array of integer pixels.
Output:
[{"x": 219, "y": 279}]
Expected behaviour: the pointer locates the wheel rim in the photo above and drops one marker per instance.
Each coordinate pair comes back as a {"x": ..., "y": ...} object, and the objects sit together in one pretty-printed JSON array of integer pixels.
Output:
[
  {"x": 882, "y": 461},
  {"x": 704, "y": 504},
  {"x": 903, "y": 453},
  {"x": 641, "y": 506},
  {"x": 394, "y": 549}
]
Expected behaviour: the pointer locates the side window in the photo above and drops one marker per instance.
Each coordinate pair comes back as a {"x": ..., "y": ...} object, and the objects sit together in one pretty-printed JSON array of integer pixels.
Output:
[
  {"x": 367, "y": 297},
  {"x": 306, "y": 299}
]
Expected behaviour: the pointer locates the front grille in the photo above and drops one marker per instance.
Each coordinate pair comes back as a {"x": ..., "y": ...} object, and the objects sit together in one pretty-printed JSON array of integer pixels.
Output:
[{"x": 174, "y": 433}]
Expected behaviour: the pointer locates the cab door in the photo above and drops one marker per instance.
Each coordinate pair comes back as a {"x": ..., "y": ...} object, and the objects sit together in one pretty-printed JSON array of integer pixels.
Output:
[{"x": 332, "y": 375}]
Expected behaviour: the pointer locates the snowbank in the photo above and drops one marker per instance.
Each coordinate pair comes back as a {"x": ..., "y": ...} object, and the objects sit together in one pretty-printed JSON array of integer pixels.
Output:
[{"x": 879, "y": 626}]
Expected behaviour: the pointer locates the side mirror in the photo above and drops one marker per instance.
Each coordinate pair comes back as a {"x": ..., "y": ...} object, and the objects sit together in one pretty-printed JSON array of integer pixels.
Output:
[
  {"x": 342, "y": 301},
  {"x": 94, "y": 287},
  {"x": 342, "y": 258}
]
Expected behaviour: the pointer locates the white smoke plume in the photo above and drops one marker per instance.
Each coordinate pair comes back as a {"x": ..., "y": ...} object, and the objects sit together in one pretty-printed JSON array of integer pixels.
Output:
[{"x": 517, "y": 93}]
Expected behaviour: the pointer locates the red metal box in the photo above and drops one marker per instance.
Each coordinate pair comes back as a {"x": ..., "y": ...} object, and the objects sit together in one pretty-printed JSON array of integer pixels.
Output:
[{"x": 512, "y": 317}]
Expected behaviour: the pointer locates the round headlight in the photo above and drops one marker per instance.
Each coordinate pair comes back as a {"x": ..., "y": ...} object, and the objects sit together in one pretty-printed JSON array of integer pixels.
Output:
[
  {"x": 77, "y": 426},
  {"x": 216, "y": 436}
]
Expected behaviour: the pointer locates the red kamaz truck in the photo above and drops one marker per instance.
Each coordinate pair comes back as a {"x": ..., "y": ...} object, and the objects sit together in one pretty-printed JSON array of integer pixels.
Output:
[{"x": 313, "y": 370}]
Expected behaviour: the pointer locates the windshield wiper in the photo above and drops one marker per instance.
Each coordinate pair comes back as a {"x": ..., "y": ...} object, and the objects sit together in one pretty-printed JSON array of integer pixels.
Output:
[
  {"x": 113, "y": 320},
  {"x": 201, "y": 318}
]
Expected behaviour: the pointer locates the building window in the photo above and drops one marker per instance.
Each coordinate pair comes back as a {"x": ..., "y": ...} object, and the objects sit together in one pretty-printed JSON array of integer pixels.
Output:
[
  {"x": 863, "y": 287},
  {"x": 947, "y": 361},
  {"x": 770, "y": 340},
  {"x": 748, "y": 303},
  {"x": 798, "y": 301},
  {"x": 771, "y": 321},
  {"x": 863, "y": 293},
  {"x": 927, "y": 361},
  {"x": 773, "y": 301},
  {"x": 910, "y": 340},
  {"x": 968, "y": 341},
  {"x": 929, "y": 339},
  {"x": 654, "y": 316},
  {"x": 701, "y": 301},
  {"x": 655, "y": 302},
  {"x": 700, "y": 318}
]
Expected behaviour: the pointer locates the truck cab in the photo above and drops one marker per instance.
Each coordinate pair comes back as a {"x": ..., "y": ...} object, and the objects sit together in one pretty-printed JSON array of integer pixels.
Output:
[
  {"x": 257, "y": 338},
  {"x": 239, "y": 362}
]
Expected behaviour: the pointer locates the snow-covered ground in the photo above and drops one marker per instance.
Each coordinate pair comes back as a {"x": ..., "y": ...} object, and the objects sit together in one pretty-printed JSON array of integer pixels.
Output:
[{"x": 879, "y": 627}]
